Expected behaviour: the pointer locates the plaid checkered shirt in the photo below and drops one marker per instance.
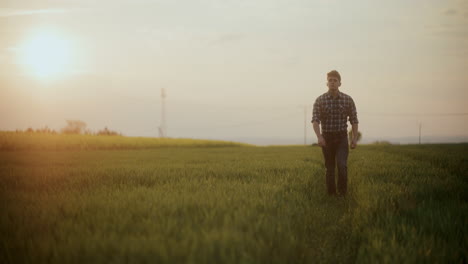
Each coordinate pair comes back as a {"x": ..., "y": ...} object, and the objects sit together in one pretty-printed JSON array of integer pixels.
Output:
[{"x": 333, "y": 112}]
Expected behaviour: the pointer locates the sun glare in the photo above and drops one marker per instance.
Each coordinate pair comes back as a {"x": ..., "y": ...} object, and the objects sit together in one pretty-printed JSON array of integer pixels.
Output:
[{"x": 46, "y": 54}]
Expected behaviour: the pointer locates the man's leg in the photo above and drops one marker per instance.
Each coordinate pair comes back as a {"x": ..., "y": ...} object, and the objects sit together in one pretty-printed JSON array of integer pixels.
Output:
[
  {"x": 342, "y": 161},
  {"x": 329, "y": 152}
]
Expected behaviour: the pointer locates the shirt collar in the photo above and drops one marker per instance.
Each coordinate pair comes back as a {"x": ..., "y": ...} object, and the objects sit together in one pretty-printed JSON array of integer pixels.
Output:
[{"x": 331, "y": 96}]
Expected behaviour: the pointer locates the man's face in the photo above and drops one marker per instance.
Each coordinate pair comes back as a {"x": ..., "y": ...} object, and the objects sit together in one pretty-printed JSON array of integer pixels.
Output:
[{"x": 333, "y": 83}]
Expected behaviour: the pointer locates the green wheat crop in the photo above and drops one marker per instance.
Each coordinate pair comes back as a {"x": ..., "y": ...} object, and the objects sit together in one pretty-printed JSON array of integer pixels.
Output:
[
  {"x": 41, "y": 141},
  {"x": 406, "y": 204}
]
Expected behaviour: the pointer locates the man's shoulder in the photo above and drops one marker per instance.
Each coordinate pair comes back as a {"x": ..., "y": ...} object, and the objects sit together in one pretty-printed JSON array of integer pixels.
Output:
[
  {"x": 322, "y": 96},
  {"x": 346, "y": 96}
]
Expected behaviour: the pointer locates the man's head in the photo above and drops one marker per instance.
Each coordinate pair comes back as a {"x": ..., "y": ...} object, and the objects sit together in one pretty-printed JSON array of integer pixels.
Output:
[{"x": 333, "y": 81}]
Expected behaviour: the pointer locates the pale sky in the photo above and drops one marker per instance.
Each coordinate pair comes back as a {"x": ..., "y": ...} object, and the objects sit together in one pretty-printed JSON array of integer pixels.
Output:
[{"x": 234, "y": 70}]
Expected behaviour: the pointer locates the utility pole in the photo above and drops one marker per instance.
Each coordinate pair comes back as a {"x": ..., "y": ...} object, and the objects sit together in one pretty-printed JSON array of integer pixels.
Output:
[
  {"x": 305, "y": 125},
  {"x": 419, "y": 133},
  {"x": 162, "y": 127}
]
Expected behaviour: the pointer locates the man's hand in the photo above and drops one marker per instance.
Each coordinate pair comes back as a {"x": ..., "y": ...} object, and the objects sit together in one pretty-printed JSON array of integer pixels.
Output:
[
  {"x": 321, "y": 141},
  {"x": 353, "y": 143}
]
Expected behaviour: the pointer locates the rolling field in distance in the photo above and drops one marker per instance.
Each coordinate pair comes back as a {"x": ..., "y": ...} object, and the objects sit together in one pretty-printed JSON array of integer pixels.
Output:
[
  {"x": 231, "y": 203},
  {"x": 37, "y": 141}
]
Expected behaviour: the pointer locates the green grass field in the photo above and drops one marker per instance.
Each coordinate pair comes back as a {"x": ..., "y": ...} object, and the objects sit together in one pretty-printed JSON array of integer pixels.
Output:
[
  {"x": 230, "y": 204},
  {"x": 13, "y": 141}
]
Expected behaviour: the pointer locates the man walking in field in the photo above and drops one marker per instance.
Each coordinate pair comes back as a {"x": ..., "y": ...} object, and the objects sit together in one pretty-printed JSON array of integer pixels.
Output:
[{"x": 332, "y": 110}]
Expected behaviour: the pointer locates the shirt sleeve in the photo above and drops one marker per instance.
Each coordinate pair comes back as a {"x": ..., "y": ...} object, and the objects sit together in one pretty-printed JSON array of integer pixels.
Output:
[
  {"x": 316, "y": 112},
  {"x": 353, "y": 113}
]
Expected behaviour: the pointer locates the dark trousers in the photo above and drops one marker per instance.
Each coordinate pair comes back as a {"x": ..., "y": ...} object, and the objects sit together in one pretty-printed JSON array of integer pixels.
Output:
[{"x": 336, "y": 155}]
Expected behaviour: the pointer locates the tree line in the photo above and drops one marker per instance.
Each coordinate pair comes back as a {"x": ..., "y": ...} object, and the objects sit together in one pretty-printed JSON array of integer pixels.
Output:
[{"x": 73, "y": 127}]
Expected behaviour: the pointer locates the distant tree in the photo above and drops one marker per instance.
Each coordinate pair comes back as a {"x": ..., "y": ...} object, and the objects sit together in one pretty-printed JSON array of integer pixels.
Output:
[
  {"x": 29, "y": 130},
  {"x": 359, "y": 135},
  {"x": 381, "y": 142},
  {"x": 45, "y": 130},
  {"x": 74, "y": 127},
  {"x": 107, "y": 132}
]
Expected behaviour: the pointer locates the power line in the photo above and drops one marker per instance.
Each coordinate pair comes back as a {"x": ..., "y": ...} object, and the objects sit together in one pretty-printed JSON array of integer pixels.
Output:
[
  {"x": 415, "y": 114},
  {"x": 150, "y": 100},
  {"x": 282, "y": 117}
]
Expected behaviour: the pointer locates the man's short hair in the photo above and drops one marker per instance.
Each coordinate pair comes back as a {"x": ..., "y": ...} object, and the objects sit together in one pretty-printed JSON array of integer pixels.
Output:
[{"x": 334, "y": 74}]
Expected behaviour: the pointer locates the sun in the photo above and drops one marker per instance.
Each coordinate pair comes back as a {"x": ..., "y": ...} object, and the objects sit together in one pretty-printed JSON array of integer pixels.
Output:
[{"x": 46, "y": 54}]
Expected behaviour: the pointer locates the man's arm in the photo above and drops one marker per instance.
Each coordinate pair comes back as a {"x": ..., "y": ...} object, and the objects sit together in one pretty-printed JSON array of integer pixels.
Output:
[
  {"x": 354, "y": 124},
  {"x": 355, "y": 135},
  {"x": 320, "y": 139},
  {"x": 316, "y": 123}
]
